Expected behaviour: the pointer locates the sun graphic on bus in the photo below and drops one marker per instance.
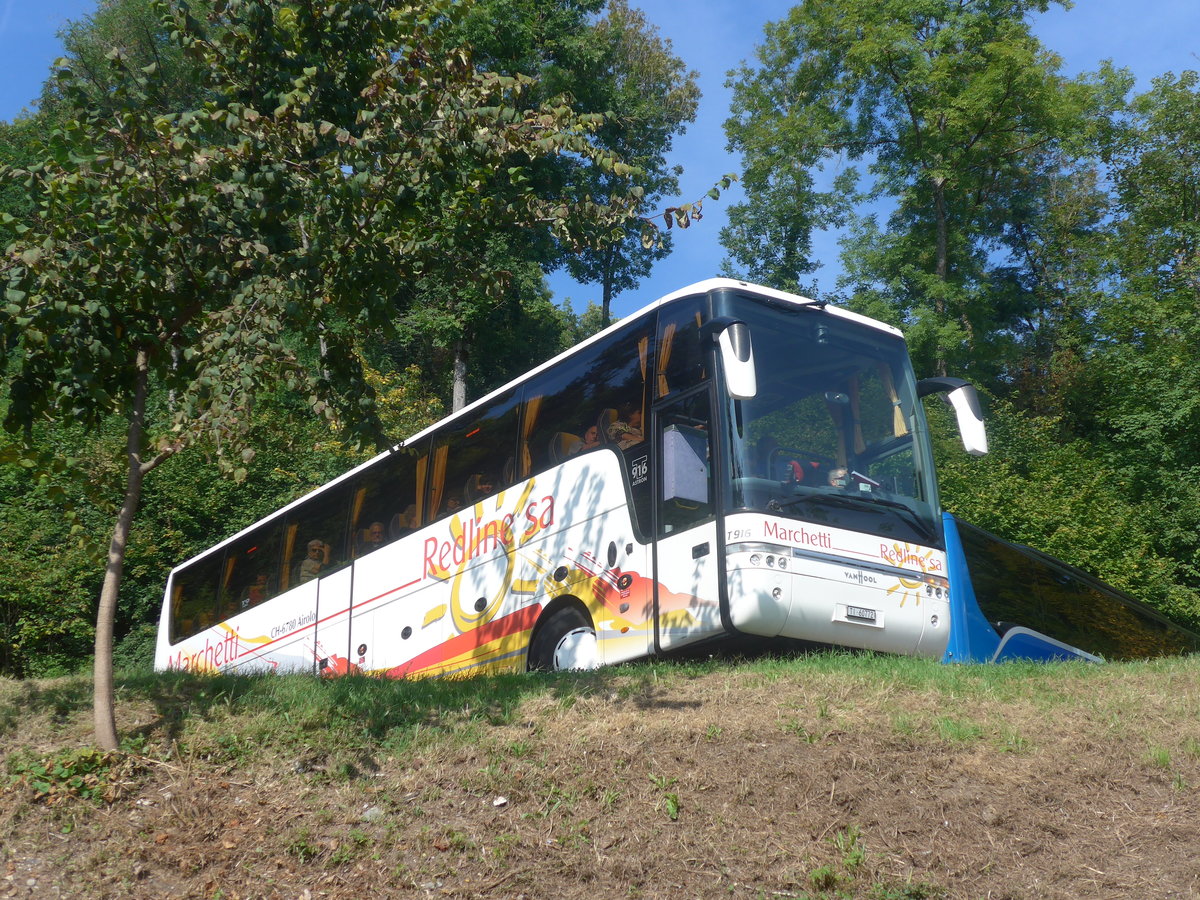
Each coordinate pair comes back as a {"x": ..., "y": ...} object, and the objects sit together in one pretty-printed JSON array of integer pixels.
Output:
[
  {"x": 907, "y": 590},
  {"x": 910, "y": 557}
]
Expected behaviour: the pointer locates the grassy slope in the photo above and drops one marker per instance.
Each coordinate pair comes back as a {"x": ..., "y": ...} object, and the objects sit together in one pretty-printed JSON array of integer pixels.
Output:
[{"x": 826, "y": 776}]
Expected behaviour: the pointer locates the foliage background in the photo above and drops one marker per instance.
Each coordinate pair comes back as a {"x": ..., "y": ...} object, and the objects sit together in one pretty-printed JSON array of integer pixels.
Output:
[{"x": 1069, "y": 290}]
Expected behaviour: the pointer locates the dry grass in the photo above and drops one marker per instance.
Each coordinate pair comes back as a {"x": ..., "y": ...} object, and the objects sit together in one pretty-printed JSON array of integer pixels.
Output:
[{"x": 836, "y": 776}]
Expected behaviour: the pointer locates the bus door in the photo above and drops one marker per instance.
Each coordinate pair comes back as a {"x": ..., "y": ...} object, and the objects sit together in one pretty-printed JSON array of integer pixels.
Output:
[{"x": 686, "y": 549}]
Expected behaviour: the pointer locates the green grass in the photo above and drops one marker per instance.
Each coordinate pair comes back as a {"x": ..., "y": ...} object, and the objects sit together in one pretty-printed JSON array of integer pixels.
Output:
[{"x": 355, "y": 713}]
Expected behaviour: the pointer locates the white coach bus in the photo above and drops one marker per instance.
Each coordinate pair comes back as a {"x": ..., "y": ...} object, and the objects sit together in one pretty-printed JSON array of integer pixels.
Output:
[{"x": 729, "y": 462}]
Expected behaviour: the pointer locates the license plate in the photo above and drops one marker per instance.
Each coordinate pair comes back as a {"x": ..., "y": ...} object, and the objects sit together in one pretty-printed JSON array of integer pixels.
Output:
[{"x": 859, "y": 612}]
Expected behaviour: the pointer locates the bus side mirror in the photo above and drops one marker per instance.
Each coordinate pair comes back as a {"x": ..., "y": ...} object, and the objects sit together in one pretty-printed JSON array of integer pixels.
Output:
[
  {"x": 736, "y": 353},
  {"x": 965, "y": 402}
]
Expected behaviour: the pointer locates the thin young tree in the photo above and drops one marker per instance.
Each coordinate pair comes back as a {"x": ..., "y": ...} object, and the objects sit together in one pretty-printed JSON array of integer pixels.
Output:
[{"x": 204, "y": 256}]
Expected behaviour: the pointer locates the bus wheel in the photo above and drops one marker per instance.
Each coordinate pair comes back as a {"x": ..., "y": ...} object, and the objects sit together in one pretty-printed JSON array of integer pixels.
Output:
[{"x": 566, "y": 641}]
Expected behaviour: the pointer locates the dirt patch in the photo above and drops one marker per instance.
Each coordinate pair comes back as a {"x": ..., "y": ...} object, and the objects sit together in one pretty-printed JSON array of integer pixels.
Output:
[{"x": 789, "y": 783}]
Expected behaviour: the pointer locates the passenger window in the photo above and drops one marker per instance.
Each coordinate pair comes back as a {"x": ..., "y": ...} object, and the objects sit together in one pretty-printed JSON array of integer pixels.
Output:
[
  {"x": 599, "y": 398},
  {"x": 194, "y": 597},
  {"x": 681, "y": 358},
  {"x": 314, "y": 539},
  {"x": 385, "y": 503},
  {"x": 626, "y": 364},
  {"x": 559, "y": 413},
  {"x": 474, "y": 459},
  {"x": 250, "y": 574}
]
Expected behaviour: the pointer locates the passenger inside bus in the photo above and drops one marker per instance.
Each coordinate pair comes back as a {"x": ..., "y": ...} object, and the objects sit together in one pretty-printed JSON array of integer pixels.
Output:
[
  {"x": 316, "y": 560},
  {"x": 370, "y": 538},
  {"x": 626, "y": 429},
  {"x": 478, "y": 486},
  {"x": 258, "y": 591},
  {"x": 591, "y": 440}
]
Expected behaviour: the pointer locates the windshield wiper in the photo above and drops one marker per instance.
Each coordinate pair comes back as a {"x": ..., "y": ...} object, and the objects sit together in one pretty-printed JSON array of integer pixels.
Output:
[{"x": 864, "y": 502}]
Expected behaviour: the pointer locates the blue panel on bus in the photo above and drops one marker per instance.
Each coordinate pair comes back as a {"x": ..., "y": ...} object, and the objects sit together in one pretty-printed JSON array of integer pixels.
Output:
[{"x": 972, "y": 638}]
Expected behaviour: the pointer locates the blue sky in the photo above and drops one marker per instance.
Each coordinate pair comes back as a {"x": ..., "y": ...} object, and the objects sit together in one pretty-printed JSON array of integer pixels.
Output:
[{"x": 1150, "y": 37}]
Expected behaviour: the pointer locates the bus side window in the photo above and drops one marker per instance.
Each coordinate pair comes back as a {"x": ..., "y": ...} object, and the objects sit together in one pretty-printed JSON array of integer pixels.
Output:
[
  {"x": 384, "y": 503},
  {"x": 595, "y": 400},
  {"x": 316, "y": 538},
  {"x": 474, "y": 459},
  {"x": 559, "y": 409},
  {"x": 250, "y": 571},
  {"x": 194, "y": 597},
  {"x": 680, "y": 363}
]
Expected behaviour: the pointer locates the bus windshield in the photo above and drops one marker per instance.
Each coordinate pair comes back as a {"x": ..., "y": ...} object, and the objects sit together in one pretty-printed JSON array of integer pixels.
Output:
[{"x": 829, "y": 437}]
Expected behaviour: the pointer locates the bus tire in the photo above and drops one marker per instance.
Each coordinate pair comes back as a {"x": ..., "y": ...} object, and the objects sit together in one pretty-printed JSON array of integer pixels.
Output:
[{"x": 565, "y": 641}]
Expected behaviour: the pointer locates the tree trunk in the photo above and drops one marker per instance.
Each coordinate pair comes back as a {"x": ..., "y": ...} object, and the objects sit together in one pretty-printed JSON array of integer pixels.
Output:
[
  {"x": 458, "y": 397},
  {"x": 942, "y": 262},
  {"x": 606, "y": 287},
  {"x": 103, "y": 700}
]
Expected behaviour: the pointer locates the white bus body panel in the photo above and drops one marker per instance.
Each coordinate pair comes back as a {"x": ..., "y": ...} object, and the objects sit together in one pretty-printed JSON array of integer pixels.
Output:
[
  {"x": 259, "y": 639},
  {"x": 836, "y": 586},
  {"x": 689, "y": 587},
  {"x": 459, "y": 595},
  {"x": 463, "y": 594}
]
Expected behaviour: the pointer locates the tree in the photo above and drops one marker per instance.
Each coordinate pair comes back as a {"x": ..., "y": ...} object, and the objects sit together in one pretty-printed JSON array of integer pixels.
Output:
[
  {"x": 949, "y": 103},
  {"x": 1062, "y": 497},
  {"x": 1144, "y": 381},
  {"x": 134, "y": 29},
  {"x": 467, "y": 330},
  {"x": 636, "y": 74},
  {"x": 19, "y": 148},
  {"x": 614, "y": 64},
  {"x": 591, "y": 63},
  {"x": 178, "y": 265}
]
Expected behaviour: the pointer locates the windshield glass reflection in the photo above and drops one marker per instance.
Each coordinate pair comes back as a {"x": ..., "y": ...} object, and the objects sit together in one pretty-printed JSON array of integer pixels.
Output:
[{"x": 829, "y": 438}]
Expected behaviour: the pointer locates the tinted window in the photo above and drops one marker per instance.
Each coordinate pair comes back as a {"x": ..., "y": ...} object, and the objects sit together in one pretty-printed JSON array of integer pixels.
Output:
[
  {"x": 1001, "y": 579},
  {"x": 250, "y": 573},
  {"x": 1016, "y": 585},
  {"x": 194, "y": 597},
  {"x": 385, "y": 502},
  {"x": 597, "y": 398},
  {"x": 1094, "y": 617},
  {"x": 315, "y": 538},
  {"x": 474, "y": 458},
  {"x": 681, "y": 359}
]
